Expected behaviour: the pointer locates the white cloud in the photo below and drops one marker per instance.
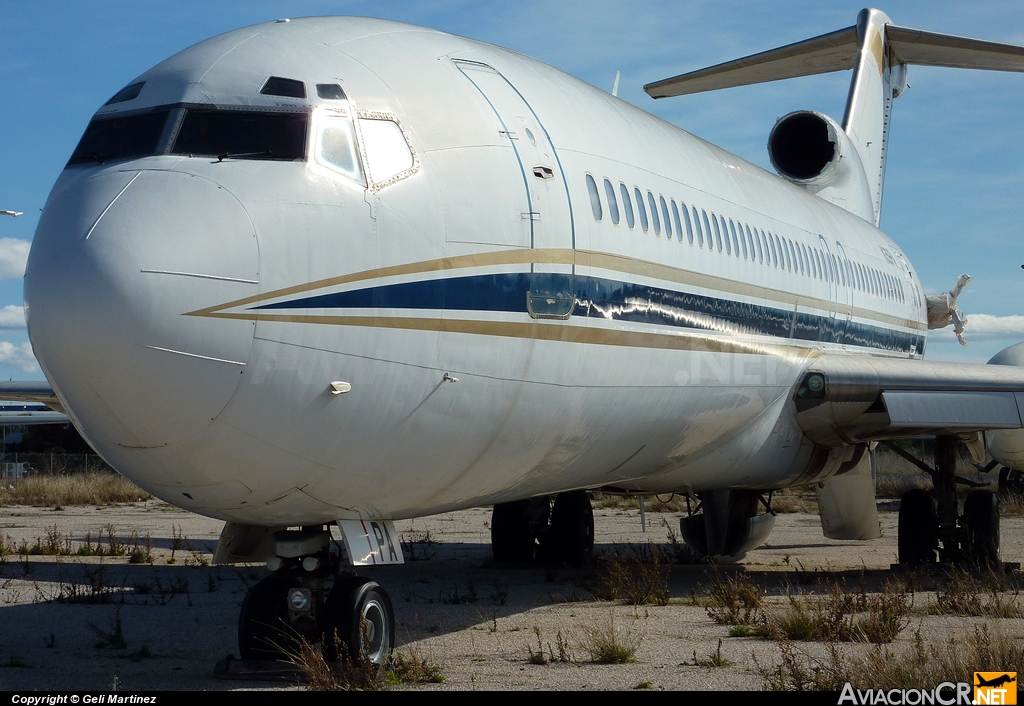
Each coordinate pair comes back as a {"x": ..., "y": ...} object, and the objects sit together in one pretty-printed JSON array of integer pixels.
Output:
[
  {"x": 12, "y": 316},
  {"x": 987, "y": 327},
  {"x": 18, "y": 356},
  {"x": 13, "y": 256}
]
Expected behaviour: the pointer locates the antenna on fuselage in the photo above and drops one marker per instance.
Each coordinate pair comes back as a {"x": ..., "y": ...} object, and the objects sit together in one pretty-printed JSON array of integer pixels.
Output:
[{"x": 615, "y": 86}]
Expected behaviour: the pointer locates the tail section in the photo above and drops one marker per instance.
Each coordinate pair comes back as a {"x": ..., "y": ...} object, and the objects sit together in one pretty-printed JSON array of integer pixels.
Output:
[
  {"x": 878, "y": 52},
  {"x": 869, "y": 105}
]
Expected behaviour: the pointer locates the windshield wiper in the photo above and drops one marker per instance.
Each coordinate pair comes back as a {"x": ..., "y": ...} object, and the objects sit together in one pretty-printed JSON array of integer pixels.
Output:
[{"x": 235, "y": 155}]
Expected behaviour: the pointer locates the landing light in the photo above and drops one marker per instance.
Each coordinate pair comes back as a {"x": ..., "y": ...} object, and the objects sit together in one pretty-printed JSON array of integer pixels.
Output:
[
  {"x": 298, "y": 599},
  {"x": 812, "y": 387}
]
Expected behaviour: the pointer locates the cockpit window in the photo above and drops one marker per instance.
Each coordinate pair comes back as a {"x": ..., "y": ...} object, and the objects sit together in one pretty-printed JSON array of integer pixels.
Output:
[
  {"x": 127, "y": 93},
  {"x": 108, "y": 139},
  {"x": 330, "y": 91},
  {"x": 242, "y": 134},
  {"x": 287, "y": 87},
  {"x": 387, "y": 152},
  {"x": 336, "y": 146}
]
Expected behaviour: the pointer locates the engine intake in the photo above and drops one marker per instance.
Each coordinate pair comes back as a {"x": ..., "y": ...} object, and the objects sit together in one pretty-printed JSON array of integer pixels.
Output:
[
  {"x": 811, "y": 150},
  {"x": 802, "y": 146}
]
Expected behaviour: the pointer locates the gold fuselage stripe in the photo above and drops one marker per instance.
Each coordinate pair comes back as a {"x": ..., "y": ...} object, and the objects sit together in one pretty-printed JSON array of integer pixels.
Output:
[{"x": 580, "y": 258}]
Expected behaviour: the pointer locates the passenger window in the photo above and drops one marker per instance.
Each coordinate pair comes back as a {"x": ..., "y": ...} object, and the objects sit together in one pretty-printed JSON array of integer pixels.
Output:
[
  {"x": 707, "y": 230},
  {"x": 696, "y": 224},
  {"x": 613, "y": 204},
  {"x": 387, "y": 152},
  {"x": 735, "y": 242},
  {"x": 336, "y": 147},
  {"x": 725, "y": 232},
  {"x": 595, "y": 198},
  {"x": 664, "y": 215},
  {"x": 654, "y": 213},
  {"x": 718, "y": 232},
  {"x": 689, "y": 226},
  {"x": 762, "y": 244},
  {"x": 640, "y": 208},
  {"x": 675, "y": 217},
  {"x": 626, "y": 204}
]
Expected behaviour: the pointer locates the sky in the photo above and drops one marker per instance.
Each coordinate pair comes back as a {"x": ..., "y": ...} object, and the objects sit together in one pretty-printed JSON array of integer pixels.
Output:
[{"x": 954, "y": 180}]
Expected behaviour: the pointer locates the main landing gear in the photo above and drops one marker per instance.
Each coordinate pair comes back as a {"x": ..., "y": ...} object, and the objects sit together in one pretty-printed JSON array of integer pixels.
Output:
[
  {"x": 930, "y": 525},
  {"x": 558, "y": 531},
  {"x": 308, "y": 597}
]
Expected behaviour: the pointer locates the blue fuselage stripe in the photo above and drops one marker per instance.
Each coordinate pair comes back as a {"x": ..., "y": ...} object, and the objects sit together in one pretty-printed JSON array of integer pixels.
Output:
[{"x": 614, "y": 301}]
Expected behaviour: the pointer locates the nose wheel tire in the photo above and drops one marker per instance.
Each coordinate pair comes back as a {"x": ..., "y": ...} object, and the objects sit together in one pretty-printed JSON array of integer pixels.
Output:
[
  {"x": 359, "y": 611},
  {"x": 263, "y": 631},
  {"x": 918, "y": 528}
]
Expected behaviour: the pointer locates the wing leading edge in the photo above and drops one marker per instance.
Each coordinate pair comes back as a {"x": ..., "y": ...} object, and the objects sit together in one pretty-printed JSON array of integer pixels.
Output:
[
  {"x": 844, "y": 399},
  {"x": 38, "y": 392}
]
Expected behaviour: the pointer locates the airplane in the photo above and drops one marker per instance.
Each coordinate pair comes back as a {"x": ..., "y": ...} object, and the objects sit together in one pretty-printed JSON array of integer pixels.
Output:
[
  {"x": 995, "y": 681},
  {"x": 338, "y": 272}
]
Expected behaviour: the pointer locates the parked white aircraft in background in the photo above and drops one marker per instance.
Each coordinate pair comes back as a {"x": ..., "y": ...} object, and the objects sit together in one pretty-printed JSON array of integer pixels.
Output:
[{"x": 349, "y": 270}]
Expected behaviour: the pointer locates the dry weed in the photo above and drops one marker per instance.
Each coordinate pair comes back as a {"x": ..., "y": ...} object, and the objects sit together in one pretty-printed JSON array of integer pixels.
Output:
[
  {"x": 635, "y": 575},
  {"x": 965, "y": 595},
  {"x": 58, "y": 491},
  {"x": 608, "y": 645},
  {"x": 916, "y": 665}
]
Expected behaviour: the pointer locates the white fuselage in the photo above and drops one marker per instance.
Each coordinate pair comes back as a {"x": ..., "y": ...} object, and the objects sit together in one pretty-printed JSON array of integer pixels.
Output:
[{"x": 192, "y": 312}]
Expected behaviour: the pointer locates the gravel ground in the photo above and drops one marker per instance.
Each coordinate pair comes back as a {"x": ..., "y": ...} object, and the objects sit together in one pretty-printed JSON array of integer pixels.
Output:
[{"x": 476, "y": 621}]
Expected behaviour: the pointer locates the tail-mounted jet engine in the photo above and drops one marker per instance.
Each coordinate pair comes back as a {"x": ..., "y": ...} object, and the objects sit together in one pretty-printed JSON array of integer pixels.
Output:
[{"x": 811, "y": 150}]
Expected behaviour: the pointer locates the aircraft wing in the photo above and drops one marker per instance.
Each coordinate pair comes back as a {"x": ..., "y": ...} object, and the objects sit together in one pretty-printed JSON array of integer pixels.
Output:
[
  {"x": 39, "y": 392},
  {"x": 844, "y": 399}
]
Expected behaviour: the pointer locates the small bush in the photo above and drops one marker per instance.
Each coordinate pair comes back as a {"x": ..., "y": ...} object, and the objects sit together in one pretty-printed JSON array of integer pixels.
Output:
[
  {"x": 734, "y": 601},
  {"x": 838, "y": 616},
  {"x": 964, "y": 595},
  {"x": 636, "y": 576},
  {"x": 607, "y": 645},
  {"x": 714, "y": 658}
]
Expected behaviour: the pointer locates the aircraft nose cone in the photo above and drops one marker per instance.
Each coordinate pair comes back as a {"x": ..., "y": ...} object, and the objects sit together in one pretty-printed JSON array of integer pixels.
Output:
[{"x": 119, "y": 264}]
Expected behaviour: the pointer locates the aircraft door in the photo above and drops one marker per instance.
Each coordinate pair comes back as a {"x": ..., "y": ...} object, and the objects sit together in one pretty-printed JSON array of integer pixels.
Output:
[
  {"x": 828, "y": 325},
  {"x": 546, "y": 210},
  {"x": 846, "y": 286}
]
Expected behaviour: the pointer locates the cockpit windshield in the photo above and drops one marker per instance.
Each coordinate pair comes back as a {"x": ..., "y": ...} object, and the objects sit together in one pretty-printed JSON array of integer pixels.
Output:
[
  {"x": 121, "y": 137},
  {"x": 241, "y": 134},
  {"x": 200, "y": 130}
]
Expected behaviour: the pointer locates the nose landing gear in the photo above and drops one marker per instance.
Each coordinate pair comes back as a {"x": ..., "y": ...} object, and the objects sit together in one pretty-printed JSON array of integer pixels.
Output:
[{"x": 308, "y": 597}]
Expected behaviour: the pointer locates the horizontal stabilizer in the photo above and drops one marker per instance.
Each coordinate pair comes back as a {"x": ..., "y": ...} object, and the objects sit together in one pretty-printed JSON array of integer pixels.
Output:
[
  {"x": 837, "y": 51},
  {"x": 820, "y": 55},
  {"x": 915, "y": 46}
]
